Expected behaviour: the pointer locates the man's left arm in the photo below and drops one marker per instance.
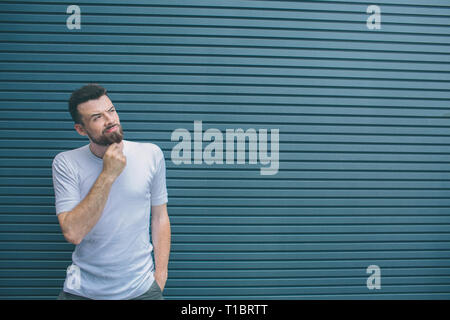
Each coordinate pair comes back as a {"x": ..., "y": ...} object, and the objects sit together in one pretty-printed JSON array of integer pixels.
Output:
[{"x": 160, "y": 226}]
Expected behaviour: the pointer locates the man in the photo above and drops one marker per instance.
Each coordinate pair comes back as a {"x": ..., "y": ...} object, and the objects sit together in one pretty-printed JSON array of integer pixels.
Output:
[{"x": 103, "y": 195}]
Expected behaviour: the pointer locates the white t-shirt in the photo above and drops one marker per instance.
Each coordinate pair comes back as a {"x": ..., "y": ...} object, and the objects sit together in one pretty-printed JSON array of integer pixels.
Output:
[{"x": 114, "y": 260}]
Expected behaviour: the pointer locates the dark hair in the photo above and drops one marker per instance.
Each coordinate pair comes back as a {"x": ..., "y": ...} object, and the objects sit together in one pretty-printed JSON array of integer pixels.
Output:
[{"x": 88, "y": 92}]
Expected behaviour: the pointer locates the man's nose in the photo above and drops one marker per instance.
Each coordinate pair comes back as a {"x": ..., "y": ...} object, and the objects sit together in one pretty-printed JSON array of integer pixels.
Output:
[{"x": 109, "y": 118}]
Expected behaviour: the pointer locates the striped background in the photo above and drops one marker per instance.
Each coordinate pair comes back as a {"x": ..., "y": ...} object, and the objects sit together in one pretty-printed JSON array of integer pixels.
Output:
[{"x": 364, "y": 140}]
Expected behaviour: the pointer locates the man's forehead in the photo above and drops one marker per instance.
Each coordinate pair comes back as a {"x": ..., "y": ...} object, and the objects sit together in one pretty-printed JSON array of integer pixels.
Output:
[{"x": 95, "y": 106}]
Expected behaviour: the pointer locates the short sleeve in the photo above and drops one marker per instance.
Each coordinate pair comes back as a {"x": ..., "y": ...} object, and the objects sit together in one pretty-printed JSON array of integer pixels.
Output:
[
  {"x": 158, "y": 184},
  {"x": 65, "y": 184}
]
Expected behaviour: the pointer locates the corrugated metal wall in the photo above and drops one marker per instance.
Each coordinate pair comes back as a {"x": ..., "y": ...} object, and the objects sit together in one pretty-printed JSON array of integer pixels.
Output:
[{"x": 364, "y": 176}]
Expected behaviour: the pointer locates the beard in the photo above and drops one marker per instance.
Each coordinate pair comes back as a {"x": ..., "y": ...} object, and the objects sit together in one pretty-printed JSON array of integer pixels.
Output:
[{"x": 107, "y": 139}]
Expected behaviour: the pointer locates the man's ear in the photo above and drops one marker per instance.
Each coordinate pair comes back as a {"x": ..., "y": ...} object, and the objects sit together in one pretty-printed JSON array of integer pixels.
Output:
[{"x": 80, "y": 129}]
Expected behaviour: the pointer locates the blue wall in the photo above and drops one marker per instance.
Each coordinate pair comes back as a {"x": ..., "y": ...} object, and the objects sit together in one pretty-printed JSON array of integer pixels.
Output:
[{"x": 364, "y": 148}]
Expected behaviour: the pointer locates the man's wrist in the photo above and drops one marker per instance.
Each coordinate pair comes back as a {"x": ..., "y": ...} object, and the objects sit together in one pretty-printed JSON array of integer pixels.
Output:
[
  {"x": 107, "y": 178},
  {"x": 161, "y": 278},
  {"x": 161, "y": 273}
]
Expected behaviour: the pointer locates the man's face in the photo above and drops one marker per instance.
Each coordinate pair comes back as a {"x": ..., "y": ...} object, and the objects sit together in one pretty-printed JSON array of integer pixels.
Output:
[{"x": 100, "y": 121}]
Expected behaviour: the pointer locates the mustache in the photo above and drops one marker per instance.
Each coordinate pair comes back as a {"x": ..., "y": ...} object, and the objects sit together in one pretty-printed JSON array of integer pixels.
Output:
[{"x": 111, "y": 126}]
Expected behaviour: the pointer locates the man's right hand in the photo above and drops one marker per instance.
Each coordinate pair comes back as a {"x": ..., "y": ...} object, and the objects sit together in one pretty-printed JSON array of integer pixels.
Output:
[{"x": 114, "y": 161}]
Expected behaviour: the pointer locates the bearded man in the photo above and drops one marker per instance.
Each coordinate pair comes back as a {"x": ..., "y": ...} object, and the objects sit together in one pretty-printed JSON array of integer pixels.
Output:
[{"x": 106, "y": 194}]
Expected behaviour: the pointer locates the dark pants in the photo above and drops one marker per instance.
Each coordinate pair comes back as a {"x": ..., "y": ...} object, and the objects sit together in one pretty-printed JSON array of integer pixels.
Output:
[{"x": 154, "y": 293}]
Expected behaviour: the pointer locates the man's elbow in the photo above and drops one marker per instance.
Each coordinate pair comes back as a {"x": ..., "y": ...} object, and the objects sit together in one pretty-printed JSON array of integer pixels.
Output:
[
  {"x": 68, "y": 232},
  {"x": 72, "y": 238}
]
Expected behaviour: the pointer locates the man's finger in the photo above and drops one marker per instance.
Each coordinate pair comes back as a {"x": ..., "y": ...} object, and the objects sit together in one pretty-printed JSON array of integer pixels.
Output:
[
  {"x": 117, "y": 146},
  {"x": 114, "y": 145}
]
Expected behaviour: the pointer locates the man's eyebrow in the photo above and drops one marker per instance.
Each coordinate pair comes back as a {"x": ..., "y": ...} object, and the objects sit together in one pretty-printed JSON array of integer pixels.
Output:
[{"x": 96, "y": 114}]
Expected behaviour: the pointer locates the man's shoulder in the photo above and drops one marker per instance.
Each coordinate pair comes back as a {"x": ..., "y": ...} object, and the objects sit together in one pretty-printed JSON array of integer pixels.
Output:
[{"x": 68, "y": 155}]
